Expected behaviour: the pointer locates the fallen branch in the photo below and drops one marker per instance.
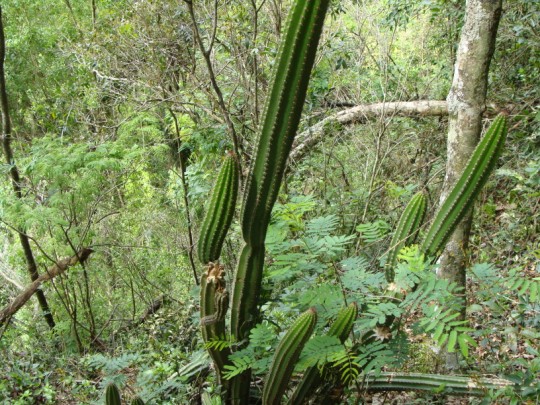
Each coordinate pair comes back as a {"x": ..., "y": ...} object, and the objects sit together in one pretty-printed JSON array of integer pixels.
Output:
[
  {"x": 307, "y": 140},
  {"x": 7, "y": 312}
]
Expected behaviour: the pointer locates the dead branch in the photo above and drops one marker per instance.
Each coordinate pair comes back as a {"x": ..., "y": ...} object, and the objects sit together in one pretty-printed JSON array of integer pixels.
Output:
[
  {"x": 310, "y": 138},
  {"x": 7, "y": 312}
]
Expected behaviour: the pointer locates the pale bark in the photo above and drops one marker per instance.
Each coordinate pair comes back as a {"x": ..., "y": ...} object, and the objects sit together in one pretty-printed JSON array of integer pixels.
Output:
[
  {"x": 307, "y": 140},
  {"x": 7, "y": 312},
  {"x": 466, "y": 104}
]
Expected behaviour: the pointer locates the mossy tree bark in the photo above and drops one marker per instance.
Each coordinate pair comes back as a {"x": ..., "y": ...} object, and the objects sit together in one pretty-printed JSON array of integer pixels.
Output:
[{"x": 466, "y": 104}]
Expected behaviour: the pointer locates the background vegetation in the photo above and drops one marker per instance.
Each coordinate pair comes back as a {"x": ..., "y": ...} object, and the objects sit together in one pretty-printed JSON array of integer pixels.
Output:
[{"x": 122, "y": 112}]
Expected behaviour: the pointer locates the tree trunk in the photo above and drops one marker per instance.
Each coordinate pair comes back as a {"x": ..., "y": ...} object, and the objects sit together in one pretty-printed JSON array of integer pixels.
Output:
[
  {"x": 15, "y": 177},
  {"x": 466, "y": 104}
]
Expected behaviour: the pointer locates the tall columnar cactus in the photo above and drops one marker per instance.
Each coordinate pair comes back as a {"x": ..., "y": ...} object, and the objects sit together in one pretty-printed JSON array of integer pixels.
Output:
[
  {"x": 407, "y": 230},
  {"x": 214, "y": 296},
  {"x": 282, "y": 114},
  {"x": 220, "y": 212},
  {"x": 280, "y": 121},
  {"x": 279, "y": 124},
  {"x": 286, "y": 356},
  {"x": 340, "y": 328},
  {"x": 467, "y": 188}
]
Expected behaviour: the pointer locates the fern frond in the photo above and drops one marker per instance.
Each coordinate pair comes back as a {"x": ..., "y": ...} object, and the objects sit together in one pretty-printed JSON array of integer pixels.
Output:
[
  {"x": 218, "y": 343},
  {"x": 318, "y": 351},
  {"x": 372, "y": 232},
  {"x": 322, "y": 226},
  {"x": 238, "y": 366},
  {"x": 346, "y": 364}
]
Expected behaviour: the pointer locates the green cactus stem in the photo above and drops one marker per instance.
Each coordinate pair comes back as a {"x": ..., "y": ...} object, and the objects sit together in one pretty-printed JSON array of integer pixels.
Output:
[
  {"x": 220, "y": 211},
  {"x": 280, "y": 121},
  {"x": 244, "y": 311},
  {"x": 137, "y": 401},
  {"x": 447, "y": 384},
  {"x": 466, "y": 189},
  {"x": 282, "y": 114},
  {"x": 312, "y": 379},
  {"x": 112, "y": 395},
  {"x": 246, "y": 291},
  {"x": 406, "y": 232},
  {"x": 286, "y": 356},
  {"x": 281, "y": 118},
  {"x": 214, "y": 305}
]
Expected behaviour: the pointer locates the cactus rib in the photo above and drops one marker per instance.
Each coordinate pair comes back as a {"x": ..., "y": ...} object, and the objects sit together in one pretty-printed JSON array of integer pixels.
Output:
[
  {"x": 286, "y": 356},
  {"x": 340, "y": 328},
  {"x": 407, "y": 230},
  {"x": 220, "y": 212},
  {"x": 471, "y": 181}
]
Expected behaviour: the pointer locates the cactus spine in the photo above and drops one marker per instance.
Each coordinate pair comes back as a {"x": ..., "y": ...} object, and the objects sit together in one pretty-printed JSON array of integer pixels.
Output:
[
  {"x": 220, "y": 212},
  {"x": 112, "y": 395},
  {"x": 286, "y": 356},
  {"x": 468, "y": 186},
  {"x": 406, "y": 232},
  {"x": 340, "y": 328}
]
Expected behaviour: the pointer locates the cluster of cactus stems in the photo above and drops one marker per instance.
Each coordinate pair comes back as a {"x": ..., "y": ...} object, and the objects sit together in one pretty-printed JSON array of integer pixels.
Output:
[
  {"x": 280, "y": 121},
  {"x": 313, "y": 376},
  {"x": 454, "y": 207},
  {"x": 279, "y": 125}
]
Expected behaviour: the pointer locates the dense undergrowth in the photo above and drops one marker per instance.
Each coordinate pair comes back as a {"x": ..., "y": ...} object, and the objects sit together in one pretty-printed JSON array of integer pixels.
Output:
[{"x": 102, "y": 168}]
